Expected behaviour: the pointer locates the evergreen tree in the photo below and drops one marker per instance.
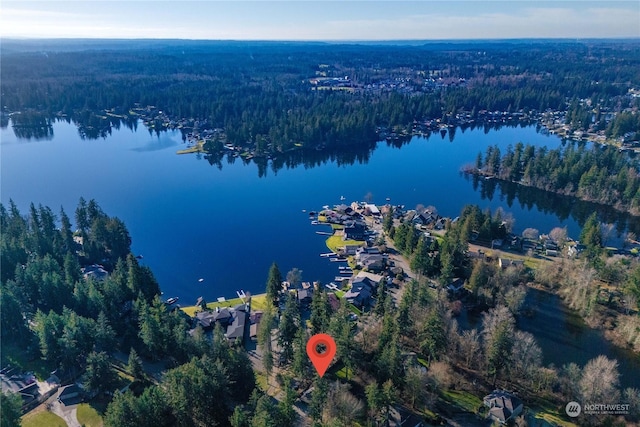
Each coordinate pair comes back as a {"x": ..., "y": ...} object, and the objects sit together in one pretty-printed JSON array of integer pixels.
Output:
[
  {"x": 289, "y": 324},
  {"x": 134, "y": 365},
  {"x": 274, "y": 284},
  {"x": 10, "y": 405}
]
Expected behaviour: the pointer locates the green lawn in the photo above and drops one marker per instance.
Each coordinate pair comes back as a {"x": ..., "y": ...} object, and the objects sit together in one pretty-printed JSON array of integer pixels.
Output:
[
  {"x": 334, "y": 242},
  {"x": 463, "y": 400},
  {"x": 259, "y": 302},
  {"x": 42, "y": 419},
  {"x": 546, "y": 411},
  {"x": 191, "y": 310},
  {"x": 88, "y": 416}
]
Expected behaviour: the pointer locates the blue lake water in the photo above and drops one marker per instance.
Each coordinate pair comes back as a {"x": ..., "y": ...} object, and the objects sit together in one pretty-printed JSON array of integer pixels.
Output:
[{"x": 193, "y": 220}]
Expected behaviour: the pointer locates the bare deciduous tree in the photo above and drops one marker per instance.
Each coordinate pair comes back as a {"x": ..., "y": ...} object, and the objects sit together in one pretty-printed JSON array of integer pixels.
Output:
[
  {"x": 599, "y": 382},
  {"x": 531, "y": 233},
  {"x": 470, "y": 347},
  {"x": 559, "y": 235},
  {"x": 342, "y": 407},
  {"x": 527, "y": 356}
]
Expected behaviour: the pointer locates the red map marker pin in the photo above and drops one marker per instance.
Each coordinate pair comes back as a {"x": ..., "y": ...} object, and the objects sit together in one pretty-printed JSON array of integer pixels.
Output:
[{"x": 321, "y": 348}]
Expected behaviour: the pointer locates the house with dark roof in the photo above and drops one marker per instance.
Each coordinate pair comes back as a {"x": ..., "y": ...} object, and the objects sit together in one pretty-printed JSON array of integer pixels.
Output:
[
  {"x": 94, "y": 271},
  {"x": 424, "y": 218},
  {"x": 503, "y": 406},
  {"x": 254, "y": 324},
  {"x": 207, "y": 319},
  {"x": 235, "y": 331},
  {"x": 333, "y": 300},
  {"x": 372, "y": 262},
  {"x": 69, "y": 395},
  {"x": 456, "y": 285},
  {"x": 362, "y": 288},
  {"x": 354, "y": 232},
  {"x": 304, "y": 296}
]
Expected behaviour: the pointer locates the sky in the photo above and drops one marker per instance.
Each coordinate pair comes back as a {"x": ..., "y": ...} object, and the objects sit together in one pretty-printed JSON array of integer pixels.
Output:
[{"x": 320, "y": 19}]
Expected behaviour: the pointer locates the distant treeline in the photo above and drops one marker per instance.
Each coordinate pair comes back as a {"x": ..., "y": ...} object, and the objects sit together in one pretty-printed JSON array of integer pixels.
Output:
[
  {"x": 261, "y": 95},
  {"x": 600, "y": 174}
]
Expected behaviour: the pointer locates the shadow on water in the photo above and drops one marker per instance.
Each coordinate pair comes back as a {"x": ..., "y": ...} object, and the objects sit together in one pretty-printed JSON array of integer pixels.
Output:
[
  {"x": 564, "y": 337},
  {"x": 563, "y": 207}
]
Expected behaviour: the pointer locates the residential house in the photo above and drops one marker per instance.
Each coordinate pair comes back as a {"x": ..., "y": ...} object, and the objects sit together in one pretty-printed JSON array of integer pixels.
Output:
[
  {"x": 351, "y": 249},
  {"x": 362, "y": 288},
  {"x": 304, "y": 296},
  {"x": 95, "y": 271},
  {"x": 371, "y": 209},
  {"x": 503, "y": 406},
  {"x": 207, "y": 319},
  {"x": 69, "y": 395},
  {"x": 355, "y": 231},
  {"x": 363, "y": 251},
  {"x": 235, "y": 331},
  {"x": 456, "y": 285},
  {"x": 424, "y": 219},
  {"x": 254, "y": 324},
  {"x": 372, "y": 262}
]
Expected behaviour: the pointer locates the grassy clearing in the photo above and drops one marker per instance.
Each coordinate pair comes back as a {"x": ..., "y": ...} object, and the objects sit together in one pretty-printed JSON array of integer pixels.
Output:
[
  {"x": 334, "y": 242},
  {"x": 88, "y": 416},
  {"x": 42, "y": 418},
  {"x": 259, "y": 302},
  {"x": 463, "y": 400},
  {"x": 192, "y": 310}
]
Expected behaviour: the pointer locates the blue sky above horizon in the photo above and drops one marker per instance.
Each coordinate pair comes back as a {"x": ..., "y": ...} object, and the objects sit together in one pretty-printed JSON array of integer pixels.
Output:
[{"x": 320, "y": 19}]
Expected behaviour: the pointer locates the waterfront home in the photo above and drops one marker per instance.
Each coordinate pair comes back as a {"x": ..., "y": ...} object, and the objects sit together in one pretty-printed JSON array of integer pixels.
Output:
[
  {"x": 304, "y": 296},
  {"x": 351, "y": 249},
  {"x": 208, "y": 319},
  {"x": 372, "y": 262},
  {"x": 371, "y": 209},
  {"x": 424, "y": 218},
  {"x": 503, "y": 406},
  {"x": 254, "y": 324},
  {"x": 354, "y": 231},
  {"x": 235, "y": 331}
]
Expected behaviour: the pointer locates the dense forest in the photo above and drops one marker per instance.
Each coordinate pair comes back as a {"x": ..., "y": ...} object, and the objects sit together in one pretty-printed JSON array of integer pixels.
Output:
[
  {"x": 265, "y": 97},
  {"x": 601, "y": 174},
  {"x": 76, "y": 322},
  {"x": 410, "y": 354}
]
